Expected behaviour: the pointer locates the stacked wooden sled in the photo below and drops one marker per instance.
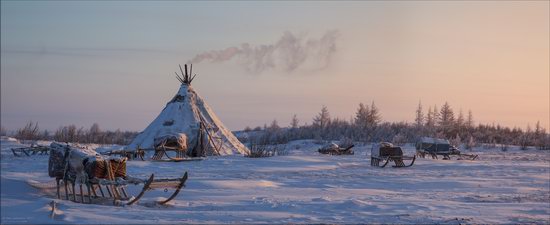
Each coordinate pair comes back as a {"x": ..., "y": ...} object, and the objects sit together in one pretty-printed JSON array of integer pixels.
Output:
[
  {"x": 384, "y": 153},
  {"x": 103, "y": 177},
  {"x": 29, "y": 151},
  {"x": 435, "y": 147}
]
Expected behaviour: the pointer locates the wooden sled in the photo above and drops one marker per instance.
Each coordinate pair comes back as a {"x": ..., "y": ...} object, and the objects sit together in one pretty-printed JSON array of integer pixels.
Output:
[
  {"x": 440, "y": 147},
  {"x": 28, "y": 151},
  {"x": 130, "y": 154},
  {"x": 106, "y": 191},
  {"x": 95, "y": 173},
  {"x": 386, "y": 154}
]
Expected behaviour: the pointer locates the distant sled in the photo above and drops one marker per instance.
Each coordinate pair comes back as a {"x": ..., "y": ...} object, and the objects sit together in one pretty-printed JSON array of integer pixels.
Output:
[
  {"x": 384, "y": 153},
  {"x": 435, "y": 147},
  {"x": 334, "y": 149}
]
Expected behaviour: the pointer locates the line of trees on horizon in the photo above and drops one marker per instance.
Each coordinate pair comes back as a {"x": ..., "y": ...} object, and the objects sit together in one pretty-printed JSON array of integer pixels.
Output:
[
  {"x": 367, "y": 126},
  {"x": 71, "y": 133}
]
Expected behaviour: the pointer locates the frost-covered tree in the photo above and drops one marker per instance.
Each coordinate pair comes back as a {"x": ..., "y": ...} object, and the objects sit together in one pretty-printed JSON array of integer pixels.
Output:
[
  {"x": 539, "y": 136},
  {"x": 460, "y": 123},
  {"x": 322, "y": 119},
  {"x": 526, "y": 138},
  {"x": 294, "y": 122},
  {"x": 374, "y": 116},
  {"x": 419, "y": 116},
  {"x": 470, "y": 144},
  {"x": 274, "y": 126},
  {"x": 361, "y": 116},
  {"x": 470, "y": 120},
  {"x": 435, "y": 114},
  {"x": 446, "y": 119},
  {"x": 430, "y": 118},
  {"x": 94, "y": 133},
  {"x": 446, "y": 115}
]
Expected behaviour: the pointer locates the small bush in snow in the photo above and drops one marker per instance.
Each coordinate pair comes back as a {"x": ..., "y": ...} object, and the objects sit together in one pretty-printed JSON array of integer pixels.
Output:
[
  {"x": 399, "y": 139},
  {"x": 504, "y": 147},
  {"x": 471, "y": 143},
  {"x": 261, "y": 151}
]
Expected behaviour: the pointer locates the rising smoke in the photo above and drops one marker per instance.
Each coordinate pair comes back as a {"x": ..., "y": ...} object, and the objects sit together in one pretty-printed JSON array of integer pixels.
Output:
[{"x": 288, "y": 54}]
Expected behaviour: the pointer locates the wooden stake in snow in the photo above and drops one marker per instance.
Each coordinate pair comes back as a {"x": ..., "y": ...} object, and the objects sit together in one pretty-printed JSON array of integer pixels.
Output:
[{"x": 53, "y": 204}]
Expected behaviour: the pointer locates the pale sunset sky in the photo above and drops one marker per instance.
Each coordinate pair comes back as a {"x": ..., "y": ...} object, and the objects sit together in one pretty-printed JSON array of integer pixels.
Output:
[{"x": 113, "y": 62}]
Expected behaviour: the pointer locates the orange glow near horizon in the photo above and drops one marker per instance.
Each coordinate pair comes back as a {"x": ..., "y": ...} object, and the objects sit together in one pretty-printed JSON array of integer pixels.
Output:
[{"x": 488, "y": 57}]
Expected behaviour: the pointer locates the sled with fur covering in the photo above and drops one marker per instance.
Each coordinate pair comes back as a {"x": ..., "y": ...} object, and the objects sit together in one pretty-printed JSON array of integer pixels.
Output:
[{"x": 101, "y": 179}]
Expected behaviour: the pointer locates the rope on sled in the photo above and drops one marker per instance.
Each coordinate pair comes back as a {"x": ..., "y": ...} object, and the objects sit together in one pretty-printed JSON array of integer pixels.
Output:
[{"x": 110, "y": 169}]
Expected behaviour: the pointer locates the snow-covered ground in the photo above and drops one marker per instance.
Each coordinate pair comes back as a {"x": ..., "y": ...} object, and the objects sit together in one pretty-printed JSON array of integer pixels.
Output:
[{"x": 305, "y": 187}]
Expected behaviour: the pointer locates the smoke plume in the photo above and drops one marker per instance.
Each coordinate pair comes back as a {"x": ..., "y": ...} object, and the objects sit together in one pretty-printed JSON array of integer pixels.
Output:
[{"x": 288, "y": 54}]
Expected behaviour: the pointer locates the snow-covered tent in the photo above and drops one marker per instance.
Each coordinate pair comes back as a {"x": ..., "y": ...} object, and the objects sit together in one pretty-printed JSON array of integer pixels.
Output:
[{"x": 188, "y": 123}]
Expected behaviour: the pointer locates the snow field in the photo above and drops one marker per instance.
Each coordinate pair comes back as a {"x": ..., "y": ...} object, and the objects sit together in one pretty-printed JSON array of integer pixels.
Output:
[{"x": 305, "y": 187}]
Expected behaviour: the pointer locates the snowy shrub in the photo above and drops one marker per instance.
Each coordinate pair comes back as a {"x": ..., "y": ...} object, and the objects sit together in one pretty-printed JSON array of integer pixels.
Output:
[
  {"x": 471, "y": 143},
  {"x": 546, "y": 145},
  {"x": 524, "y": 141},
  {"x": 318, "y": 139},
  {"x": 456, "y": 141},
  {"x": 29, "y": 132},
  {"x": 398, "y": 139},
  {"x": 504, "y": 147},
  {"x": 261, "y": 151}
]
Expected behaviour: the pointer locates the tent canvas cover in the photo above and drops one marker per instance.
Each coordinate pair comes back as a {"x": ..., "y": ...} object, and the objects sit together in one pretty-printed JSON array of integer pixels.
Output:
[{"x": 187, "y": 118}]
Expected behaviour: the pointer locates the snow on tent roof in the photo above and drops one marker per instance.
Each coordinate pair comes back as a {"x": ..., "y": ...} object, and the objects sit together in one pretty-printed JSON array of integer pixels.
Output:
[{"x": 187, "y": 113}]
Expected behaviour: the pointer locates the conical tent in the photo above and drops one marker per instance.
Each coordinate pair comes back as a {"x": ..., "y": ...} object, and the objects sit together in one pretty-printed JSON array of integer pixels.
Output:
[{"x": 188, "y": 119}]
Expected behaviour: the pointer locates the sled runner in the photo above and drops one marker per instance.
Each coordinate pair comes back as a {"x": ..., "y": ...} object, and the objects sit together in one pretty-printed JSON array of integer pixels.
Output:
[
  {"x": 104, "y": 178},
  {"x": 383, "y": 153}
]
